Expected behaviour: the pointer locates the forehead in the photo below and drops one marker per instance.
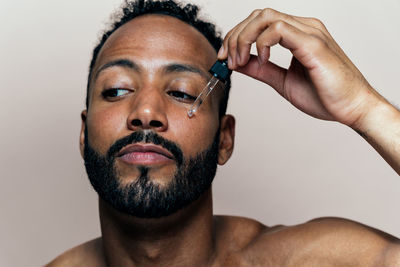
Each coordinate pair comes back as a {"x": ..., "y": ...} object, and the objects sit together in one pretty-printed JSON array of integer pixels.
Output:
[{"x": 158, "y": 38}]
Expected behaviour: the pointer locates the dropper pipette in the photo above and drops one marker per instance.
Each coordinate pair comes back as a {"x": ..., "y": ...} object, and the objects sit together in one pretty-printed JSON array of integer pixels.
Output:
[{"x": 220, "y": 73}]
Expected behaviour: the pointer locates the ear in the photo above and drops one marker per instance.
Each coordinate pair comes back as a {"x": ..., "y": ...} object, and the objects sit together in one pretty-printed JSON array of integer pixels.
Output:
[
  {"x": 227, "y": 139},
  {"x": 82, "y": 135}
]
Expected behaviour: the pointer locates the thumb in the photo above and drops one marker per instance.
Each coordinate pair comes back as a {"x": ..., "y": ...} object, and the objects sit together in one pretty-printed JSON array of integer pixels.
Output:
[{"x": 268, "y": 73}]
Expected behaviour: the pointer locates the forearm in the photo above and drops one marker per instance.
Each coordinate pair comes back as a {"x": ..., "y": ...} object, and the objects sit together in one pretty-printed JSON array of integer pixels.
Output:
[{"x": 381, "y": 129}]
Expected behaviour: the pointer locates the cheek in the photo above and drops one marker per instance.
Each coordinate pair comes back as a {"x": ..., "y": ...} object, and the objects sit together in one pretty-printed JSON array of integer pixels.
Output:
[
  {"x": 194, "y": 134},
  {"x": 104, "y": 127}
]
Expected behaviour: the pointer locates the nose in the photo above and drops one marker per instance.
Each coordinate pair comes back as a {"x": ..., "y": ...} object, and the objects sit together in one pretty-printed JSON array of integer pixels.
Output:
[{"x": 147, "y": 111}]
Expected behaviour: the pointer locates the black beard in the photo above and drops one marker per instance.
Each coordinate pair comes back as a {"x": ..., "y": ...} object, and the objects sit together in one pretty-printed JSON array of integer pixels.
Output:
[{"x": 144, "y": 198}]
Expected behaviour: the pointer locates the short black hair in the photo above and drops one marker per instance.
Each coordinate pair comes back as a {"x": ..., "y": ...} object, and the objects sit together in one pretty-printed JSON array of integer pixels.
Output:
[{"x": 187, "y": 13}]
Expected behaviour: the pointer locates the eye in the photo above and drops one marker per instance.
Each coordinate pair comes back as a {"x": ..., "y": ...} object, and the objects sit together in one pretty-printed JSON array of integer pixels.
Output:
[
  {"x": 181, "y": 96},
  {"x": 114, "y": 93}
]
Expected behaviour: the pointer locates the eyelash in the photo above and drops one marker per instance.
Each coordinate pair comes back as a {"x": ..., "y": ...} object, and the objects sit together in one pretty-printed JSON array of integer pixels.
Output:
[
  {"x": 112, "y": 93},
  {"x": 181, "y": 96}
]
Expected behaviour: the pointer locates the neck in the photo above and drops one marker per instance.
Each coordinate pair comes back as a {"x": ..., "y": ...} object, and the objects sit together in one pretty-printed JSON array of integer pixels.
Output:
[{"x": 185, "y": 238}]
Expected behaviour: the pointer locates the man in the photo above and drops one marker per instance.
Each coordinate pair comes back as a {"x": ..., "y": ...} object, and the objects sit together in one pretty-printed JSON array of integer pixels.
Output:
[{"x": 152, "y": 165}]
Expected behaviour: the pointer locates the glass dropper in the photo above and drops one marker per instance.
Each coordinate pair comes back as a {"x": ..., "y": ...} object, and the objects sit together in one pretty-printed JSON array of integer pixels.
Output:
[{"x": 220, "y": 73}]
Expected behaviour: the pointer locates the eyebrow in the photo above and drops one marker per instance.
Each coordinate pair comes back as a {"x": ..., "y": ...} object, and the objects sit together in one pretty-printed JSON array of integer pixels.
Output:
[
  {"x": 170, "y": 68},
  {"x": 125, "y": 63},
  {"x": 179, "y": 67}
]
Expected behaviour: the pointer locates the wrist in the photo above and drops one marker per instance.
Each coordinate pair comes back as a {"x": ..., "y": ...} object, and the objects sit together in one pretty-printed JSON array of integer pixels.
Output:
[
  {"x": 378, "y": 116},
  {"x": 380, "y": 127}
]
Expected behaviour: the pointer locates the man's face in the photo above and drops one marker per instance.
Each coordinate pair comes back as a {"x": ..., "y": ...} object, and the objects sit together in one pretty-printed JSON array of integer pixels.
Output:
[{"x": 145, "y": 78}]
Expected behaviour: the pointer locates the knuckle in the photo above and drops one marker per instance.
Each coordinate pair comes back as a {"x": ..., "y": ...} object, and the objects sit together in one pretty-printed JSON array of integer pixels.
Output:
[
  {"x": 318, "y": 33},
  {"x": 278, "y": 25},
  {"x": 268, "y": 12},
  {"x": 317, "y": 23},
  {"x": 255, "y": 12}
]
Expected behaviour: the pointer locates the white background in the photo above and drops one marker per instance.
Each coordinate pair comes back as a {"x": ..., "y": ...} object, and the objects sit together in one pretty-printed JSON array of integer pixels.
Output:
[{"x": 287, "y": 168}]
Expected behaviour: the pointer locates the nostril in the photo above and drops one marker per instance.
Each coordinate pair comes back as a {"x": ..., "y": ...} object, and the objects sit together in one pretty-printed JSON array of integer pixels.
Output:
[
  {"x": 136, "y": 122},
  {"x": 156, "y": 124}
]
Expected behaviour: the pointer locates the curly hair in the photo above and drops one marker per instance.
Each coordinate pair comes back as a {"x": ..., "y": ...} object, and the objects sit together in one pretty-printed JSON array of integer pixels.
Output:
[{"x": 187, "y": 13}]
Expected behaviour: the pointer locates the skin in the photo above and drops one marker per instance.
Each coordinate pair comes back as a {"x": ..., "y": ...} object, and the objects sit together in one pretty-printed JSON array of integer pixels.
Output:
[{"x": 321, "y": 81}]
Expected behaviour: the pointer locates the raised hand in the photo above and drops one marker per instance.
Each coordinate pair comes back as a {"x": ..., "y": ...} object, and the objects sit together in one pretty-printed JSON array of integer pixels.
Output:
[{"x": 321, "y": 80}]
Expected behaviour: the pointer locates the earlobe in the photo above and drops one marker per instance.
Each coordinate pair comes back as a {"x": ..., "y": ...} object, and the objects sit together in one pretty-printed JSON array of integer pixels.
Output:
[
  {"x": 82, "y": 134},
  {"x": 227, "y": 139}
]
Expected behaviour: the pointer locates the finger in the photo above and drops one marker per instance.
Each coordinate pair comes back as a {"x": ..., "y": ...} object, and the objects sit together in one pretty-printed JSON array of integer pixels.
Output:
[
  {"x": 268, "y": 73},
  {"x": 223, "y": 53},
  {"x": 269, "y": 37},
  {"x": 309, "y": 50},
  {"x": 263, "y": 52},
  {"x": 317, "y": 28},
  {"x": 314, "y": 23},
  {"x": 255, "y": 27}
]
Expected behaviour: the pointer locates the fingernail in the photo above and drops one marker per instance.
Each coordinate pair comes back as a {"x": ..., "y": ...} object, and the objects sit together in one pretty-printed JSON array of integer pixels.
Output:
[
  {"x": 229, "y": 62},
  {"x": 238, "y": 59},
  {"x": 221, "y": 52}
]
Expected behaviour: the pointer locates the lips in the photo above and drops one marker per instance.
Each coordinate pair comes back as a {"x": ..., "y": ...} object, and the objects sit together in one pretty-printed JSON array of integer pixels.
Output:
[{"x": 145, "y": 154}]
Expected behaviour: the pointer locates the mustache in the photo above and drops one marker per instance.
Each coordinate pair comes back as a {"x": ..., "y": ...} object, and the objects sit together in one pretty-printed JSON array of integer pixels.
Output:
[{"x": 147, "y": 137}]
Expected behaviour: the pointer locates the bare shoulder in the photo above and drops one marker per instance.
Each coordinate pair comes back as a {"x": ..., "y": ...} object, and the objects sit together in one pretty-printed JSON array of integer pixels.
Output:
[
  {"x": 87, "y": 254},
  {"x": 328, "y": 242},
  {"x": 236, "y": 239},
  {"x": 353, "y": 241},
  {"x": 238, "y": 231}
]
